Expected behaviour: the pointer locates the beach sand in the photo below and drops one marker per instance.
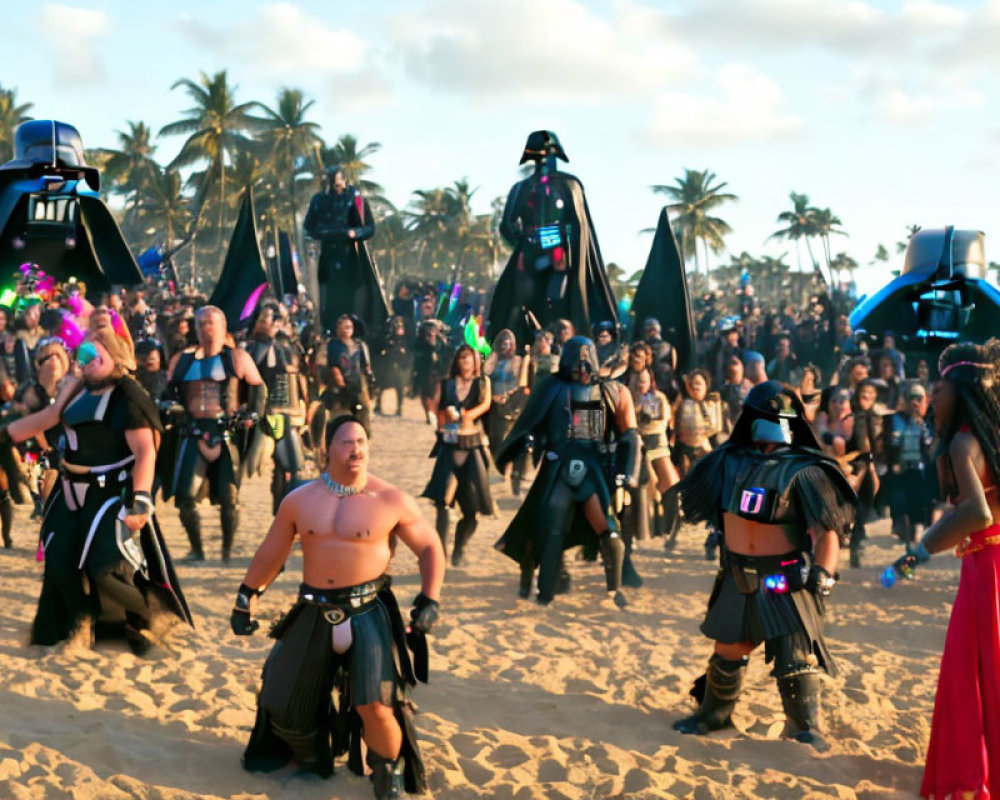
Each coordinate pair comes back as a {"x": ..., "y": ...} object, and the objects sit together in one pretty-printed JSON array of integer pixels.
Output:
[{"x": 570, "y": 701}]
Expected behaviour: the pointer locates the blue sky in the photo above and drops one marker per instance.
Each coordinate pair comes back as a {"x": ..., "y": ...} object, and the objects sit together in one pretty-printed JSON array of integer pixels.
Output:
[{"x": 887, "y": 112}]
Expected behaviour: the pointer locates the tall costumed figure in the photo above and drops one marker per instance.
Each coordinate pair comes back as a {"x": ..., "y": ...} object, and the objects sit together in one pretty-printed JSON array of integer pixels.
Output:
[
  {"x": 556, "y": 270},
  {"x": 341, "y": 220}
]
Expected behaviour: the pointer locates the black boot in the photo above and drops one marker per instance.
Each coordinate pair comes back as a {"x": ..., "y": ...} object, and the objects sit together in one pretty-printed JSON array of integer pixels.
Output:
[
  {"x": 442, "y": 522},
  {"x": 723, "y": 682},
  {"x": 7, "y": 518},
  {"x": 192, "y": 526},
  {"x": 527, "y": 577},
  {"x": 229, "y": 517},
  {"x": 387, "y": 776},
  {"x": 630, "y": 577},
  {"x": 564, "y": 581},
  {"x": 858, "y": 536},
  {"x": 463, "y": 532},
  {"x": 800, "y": 698}
]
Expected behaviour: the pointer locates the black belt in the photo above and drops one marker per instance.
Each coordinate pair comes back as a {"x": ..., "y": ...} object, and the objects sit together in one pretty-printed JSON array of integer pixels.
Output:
[
  {"x": 779, "y": 574},
  {"x": 341, "y": 604}
]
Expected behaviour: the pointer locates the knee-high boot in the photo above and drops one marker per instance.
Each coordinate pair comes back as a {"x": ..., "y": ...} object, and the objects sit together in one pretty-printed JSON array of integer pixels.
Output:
[
  {"x": 800, "y": 696},
  {"x": 442, "y": 522},
  {"x": 7, "y": 518},
  {"x": 229, "y": 517},
  {"x": 463, "y": 532},
  {"x": 722, "y": 685},
  {"x": 192, "y": 526}
]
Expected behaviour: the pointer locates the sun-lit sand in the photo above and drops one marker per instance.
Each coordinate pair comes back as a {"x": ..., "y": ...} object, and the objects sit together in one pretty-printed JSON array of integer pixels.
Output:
[{"x": 574, "y": 701}]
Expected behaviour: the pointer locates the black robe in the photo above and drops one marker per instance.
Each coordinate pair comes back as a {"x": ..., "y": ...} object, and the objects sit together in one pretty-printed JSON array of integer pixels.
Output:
[
  {"x": 662, "y": 293},
  {"x": 348, "y": 276},
  {"x": 521, "y": 287}
]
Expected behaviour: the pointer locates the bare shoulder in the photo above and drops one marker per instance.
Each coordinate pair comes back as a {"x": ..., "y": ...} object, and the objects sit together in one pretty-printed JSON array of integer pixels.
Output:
[
  {"x": 965, "y": 444},
  {"x": 389, "y": 493},
  {"x": 306, "y": 496}
]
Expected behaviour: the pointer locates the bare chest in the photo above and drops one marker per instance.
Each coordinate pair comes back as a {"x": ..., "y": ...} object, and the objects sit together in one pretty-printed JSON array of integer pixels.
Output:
[{"x": 360, "y": 519}]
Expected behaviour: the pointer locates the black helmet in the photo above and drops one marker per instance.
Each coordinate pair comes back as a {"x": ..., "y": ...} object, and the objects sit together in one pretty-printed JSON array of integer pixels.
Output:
[
  {"x": 541, "y": 144},
  {"x": 773, "y": 413},
  {"x": 577, "y": 350}
]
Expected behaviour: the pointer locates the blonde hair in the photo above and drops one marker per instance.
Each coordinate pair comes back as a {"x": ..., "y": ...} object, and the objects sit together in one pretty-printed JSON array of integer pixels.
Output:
[{"x": 119, "y": 347}]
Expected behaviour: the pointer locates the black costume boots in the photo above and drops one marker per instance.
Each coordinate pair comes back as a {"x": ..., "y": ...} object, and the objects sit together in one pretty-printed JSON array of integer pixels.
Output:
[
  {"x": 442, "y": 521},
  {"x": 463, "y": 532},
  {"x": 387, "y": 776},
  {"x": 192, "y": 526},
  {"x": 229, "y": 517},
  {"x": 800, "y": 698},
  {"x": 7, "y": 518},
  {"x": 723, "y": 682}
]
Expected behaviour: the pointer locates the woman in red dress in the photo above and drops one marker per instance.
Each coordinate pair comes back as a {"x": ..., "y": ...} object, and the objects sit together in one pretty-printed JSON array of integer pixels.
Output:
[{"x": 963, "y": 759}]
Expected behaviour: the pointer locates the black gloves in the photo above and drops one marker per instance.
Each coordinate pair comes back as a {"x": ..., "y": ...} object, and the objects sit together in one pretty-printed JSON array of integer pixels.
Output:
[
  {"x": 240, "y": 620},
  {"x": 820, "y": 582},
  {"x": 424, "y": 613}
]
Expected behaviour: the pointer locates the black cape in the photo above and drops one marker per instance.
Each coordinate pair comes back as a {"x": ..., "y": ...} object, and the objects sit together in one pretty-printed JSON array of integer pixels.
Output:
[
  {"x": 243, "y": 278},
  {"x": 589, "y": 293},
  {"x": 663, "y": 293},
  {"x": 90, "y": 247},
  {"x": 356, "y": 286}
]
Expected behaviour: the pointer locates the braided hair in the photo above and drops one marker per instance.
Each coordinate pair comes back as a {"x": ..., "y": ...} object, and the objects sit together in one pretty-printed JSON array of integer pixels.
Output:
[{"x": 973, "y": 370}]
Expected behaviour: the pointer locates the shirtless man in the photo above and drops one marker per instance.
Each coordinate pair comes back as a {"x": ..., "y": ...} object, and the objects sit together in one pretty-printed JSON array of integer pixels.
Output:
[
  {"x": 207, "y": 381},
  {"x": 346, "y": 616},
  {"x": 781, "y": 506}
]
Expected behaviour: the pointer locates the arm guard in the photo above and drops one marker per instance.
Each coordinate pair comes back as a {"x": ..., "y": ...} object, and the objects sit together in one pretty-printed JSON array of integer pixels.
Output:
[
  {"x": 629, "y": 455},
  {"x": 257, "y": 400}
]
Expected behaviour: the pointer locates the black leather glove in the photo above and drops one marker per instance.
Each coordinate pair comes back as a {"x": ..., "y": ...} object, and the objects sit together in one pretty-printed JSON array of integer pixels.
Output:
[
  {"x": 820, "y": 582},
  {"x": 424, "y": 613},
  {"x": 242, "y": 623}
]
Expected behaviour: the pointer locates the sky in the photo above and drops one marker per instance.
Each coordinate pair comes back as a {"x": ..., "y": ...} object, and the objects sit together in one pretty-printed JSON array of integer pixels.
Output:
[{"x": 886, "y": 112}]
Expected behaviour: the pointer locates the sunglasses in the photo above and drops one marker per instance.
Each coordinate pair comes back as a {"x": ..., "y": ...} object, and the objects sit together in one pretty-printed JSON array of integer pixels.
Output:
[
  {"x": 917, "y": 397},
  {"x": 43, "y": 359},
  {"x": 47, "y": 340}
]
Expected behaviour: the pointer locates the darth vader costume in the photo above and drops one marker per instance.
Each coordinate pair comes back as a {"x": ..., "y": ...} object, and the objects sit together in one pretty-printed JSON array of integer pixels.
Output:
[
  {"x": 772, "y": 475},
  {"x": 571, "y": 422},
  {"x": 342, "y": 221},
  {"x": 556, "y": 270}
]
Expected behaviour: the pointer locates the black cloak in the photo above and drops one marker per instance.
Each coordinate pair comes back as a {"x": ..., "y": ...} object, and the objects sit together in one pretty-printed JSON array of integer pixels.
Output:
[
  {"x": 349, "y": 281},
  {"x": 589, "y": 298},
  {"x": 662, "y": 293}
]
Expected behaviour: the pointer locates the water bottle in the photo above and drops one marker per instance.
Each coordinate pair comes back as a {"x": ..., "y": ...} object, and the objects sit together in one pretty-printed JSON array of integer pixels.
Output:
[{"x": 888, "y": 577}]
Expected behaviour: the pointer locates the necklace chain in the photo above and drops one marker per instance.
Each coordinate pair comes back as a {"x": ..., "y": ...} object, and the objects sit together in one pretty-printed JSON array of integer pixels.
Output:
[{"x": 339, "y": 489}]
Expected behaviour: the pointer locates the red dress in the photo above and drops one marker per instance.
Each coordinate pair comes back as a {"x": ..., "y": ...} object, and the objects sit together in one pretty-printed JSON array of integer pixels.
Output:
[{"x": 963, "y": 758}]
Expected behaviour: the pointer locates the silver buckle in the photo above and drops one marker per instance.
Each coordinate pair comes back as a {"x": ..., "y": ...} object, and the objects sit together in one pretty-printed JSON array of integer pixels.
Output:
[{"x": 102, "y": 480}]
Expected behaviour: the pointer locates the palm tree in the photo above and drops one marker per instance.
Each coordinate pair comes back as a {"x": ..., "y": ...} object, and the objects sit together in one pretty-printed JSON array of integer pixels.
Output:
[
  {"x": 131, "y": 167},
  {"x": 164, "y": 206},
  {"x": 694, "y": 195},
  {"x": 290, "y": 138},
  {"x": 11, "y": 115},
  {"x": 843, "y": 263},
  {"x": 800, "y": 223},
  {"x": 826, "y": 224},
  {"x": 216, "y": 126}
]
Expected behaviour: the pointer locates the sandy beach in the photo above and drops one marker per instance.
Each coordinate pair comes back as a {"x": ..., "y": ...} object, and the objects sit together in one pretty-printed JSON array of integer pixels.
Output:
[{"x": 570, "y": 702}]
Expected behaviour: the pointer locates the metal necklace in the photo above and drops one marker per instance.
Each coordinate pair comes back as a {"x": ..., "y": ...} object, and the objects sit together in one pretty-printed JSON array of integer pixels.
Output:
[{"x": 338, "y": 488}]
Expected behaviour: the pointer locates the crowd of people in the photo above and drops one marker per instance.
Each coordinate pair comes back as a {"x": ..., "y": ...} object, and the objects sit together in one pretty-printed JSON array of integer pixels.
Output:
[{"x": 148, "y": 393}]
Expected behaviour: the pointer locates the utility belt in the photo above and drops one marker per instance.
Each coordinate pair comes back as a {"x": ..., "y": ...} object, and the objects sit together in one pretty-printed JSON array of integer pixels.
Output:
[
  {"x": 777, "y": 574},
  {"x": 341, "y": 604},
  {"x": 212, "y": 431},
  {"x": 906, "y": 466}
]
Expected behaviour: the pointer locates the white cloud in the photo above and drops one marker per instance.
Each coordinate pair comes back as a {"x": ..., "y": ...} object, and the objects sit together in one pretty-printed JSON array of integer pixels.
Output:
[
  {"x": 76, "y": 58},
  {"x": 282, "y": 41},
  {"x": 558, "y": 50},
  {"x": 906, "y": 99},
  {"x": 932, "y": 16},
  {"x": 748, "y": 106}
]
